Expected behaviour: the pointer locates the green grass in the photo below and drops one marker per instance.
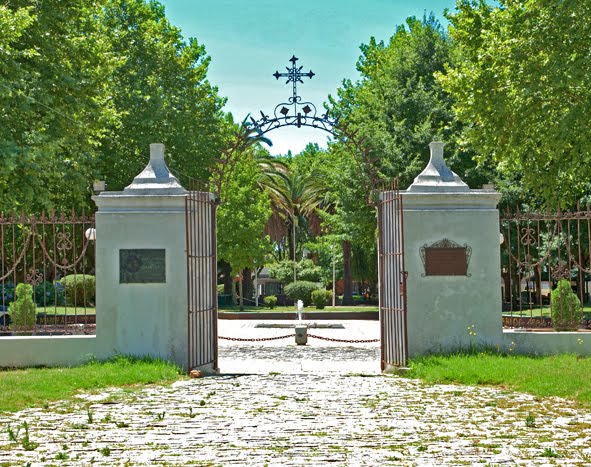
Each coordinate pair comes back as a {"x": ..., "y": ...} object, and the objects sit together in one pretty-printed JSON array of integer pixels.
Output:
[
  {"x": 66, "y": 310},
  {"x": 35, "y": 387},
  {"x": 543, "y": 311},
  {"x": 292, "y": 309},
  {"x": 561, "y": 375}
]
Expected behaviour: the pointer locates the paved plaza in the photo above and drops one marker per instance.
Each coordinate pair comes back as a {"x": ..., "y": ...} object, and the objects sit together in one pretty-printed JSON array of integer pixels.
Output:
[{"x": 277, "y": 404}]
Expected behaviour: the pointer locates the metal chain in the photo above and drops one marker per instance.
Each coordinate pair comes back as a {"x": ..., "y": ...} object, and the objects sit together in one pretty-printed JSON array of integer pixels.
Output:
[
  {"x": 349, "y": 341},
  {"x": 256, "y": 339}
]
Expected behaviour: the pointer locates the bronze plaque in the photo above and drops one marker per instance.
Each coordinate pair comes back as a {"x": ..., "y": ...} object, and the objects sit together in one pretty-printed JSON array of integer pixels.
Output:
[
  {"x": 446, "y": 262},
  {"x": 142, "y": 266}
]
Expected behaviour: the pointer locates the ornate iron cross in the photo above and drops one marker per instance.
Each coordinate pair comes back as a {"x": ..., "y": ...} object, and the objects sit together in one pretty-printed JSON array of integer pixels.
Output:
[
  {"x": 302, "y": 113},
  {"x": 293, "y": 75}
]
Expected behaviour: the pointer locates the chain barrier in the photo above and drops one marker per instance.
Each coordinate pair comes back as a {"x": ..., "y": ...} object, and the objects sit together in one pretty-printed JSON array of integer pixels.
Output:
[
  {"x": 261, "y": 339},
  {"x": 348, "y": 341},
  {"x": 255, "y": 339}
]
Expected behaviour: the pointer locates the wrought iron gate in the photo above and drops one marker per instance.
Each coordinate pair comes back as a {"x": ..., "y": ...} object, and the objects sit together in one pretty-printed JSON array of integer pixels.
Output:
[
  {"x": 392, "y": 280},
  {"x": 200, "y": 208}
]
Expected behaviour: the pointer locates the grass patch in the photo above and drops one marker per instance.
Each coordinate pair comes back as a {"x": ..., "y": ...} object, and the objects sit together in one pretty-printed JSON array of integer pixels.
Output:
[
  {"x": 66, "y": 310},
  {"x": 536, "y": 311},
  {"x": 35, "y": 387},
  {"x": 560, "y": 375}
]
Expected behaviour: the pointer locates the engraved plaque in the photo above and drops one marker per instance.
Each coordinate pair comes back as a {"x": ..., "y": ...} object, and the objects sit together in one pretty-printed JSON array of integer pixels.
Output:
[
  {"x": 446, "y": 262},
  {"x": 446, "y": 258},
  {"x": 142, "y": 266}
]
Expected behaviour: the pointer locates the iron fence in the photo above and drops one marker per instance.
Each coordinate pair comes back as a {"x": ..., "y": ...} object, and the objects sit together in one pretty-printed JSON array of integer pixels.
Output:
[
  {"x": 537, "y": 250},
  {"x": 47, "y": 283}
]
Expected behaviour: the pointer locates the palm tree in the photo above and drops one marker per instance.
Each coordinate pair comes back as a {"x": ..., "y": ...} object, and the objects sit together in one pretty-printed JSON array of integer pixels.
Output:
[{"x": 294, "y": 197}]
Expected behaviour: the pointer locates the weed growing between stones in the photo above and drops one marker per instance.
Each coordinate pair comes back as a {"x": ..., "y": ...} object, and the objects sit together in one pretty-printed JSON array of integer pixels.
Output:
[
  {"x": 25, "y": 441},
  {"x": 530, "y": 420},
  {"x": 106, "y": 451},
  {"x": 549, "y": 452},
  {"x": 89, "y": 415}
]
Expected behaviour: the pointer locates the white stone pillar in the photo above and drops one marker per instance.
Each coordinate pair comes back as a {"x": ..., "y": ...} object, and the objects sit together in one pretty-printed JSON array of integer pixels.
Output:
[
  {"x": 449, "y": 309},
  {"x": 141, "y": 266}
]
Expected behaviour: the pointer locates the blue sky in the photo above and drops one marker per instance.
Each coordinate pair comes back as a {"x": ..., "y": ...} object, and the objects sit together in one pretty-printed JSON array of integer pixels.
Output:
[{"x": 249, "y": 40}]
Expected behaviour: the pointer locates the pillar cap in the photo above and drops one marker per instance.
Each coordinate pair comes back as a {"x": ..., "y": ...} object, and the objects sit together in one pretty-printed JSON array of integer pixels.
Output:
[
  {"x": 437, "y": 176},
  {"x": 155, "y": 179}
]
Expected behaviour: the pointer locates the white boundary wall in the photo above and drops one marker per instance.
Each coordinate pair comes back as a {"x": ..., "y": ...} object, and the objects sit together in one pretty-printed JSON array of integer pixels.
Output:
[
  {"x": 546, "y": 343},
  {"x": 24, "y": 351}
]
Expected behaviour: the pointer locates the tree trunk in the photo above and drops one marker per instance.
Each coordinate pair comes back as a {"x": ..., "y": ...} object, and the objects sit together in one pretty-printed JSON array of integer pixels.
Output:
[
  {"x": 247, "y": 283},
  {"x": 347, "y": 279},
  {"x": 240, "y": 291},
  {"x": 227, "y": 277}
]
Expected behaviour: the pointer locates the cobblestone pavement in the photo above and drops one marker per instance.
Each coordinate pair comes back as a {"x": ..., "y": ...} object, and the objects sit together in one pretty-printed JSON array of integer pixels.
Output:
[{"x": 305, "y": 415}]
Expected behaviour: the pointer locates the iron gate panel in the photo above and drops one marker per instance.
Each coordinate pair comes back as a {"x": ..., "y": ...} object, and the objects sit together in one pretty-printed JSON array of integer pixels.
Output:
[
  {"x": 392, "y": 280},
  {"x": 200, "y": 207}
]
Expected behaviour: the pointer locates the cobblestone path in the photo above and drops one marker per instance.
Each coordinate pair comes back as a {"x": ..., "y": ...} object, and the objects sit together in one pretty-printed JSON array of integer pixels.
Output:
[{"x": 301, "y": 418}]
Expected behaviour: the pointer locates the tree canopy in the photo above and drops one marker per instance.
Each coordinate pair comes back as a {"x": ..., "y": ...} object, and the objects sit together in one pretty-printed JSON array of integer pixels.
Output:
[
  {"x": 522, "y": 84},
  {"x": 85, "y": 87}
]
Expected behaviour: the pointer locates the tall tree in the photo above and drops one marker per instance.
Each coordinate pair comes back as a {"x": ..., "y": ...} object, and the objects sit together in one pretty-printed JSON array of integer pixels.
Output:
[
  {"x": 395, "y": 110},
  {"x": 161, "y": 92},
  {"x": 295, "y": 196},
  {"x": 522, "y": 82},
  {"x": 241, "y": 220},
  {"x": 54, "y": 100},
  {"x": 398, "y": 107}
]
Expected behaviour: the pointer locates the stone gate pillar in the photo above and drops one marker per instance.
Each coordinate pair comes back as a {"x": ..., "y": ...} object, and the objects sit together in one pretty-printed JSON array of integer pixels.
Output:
[
  {"x": 141, "y": 266},
  {"x": 452, "y": 255}
]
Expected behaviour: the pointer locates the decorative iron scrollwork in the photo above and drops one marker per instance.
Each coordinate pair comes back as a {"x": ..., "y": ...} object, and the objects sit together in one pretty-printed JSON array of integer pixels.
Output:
[{"x": 34, "y": 277}]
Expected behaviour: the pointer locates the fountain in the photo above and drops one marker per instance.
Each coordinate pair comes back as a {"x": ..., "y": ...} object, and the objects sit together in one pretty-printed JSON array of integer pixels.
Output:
[
  {"x": 301, "y": 330},
  {"x": 300, "y": 309}
]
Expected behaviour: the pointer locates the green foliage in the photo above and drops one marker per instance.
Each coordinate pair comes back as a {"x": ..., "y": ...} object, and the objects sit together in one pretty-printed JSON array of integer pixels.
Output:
[
  {"x": 306, "y": 270},
  {"x": 161, "y": 94},
  {"x": 399, "y": 107},
  {"x": 320, "y": 298},
  {"x": 220, "y": 289},
  {"x": 55, "y": 101},
  {"x": 242, "y": 217},
  {"x": 79, "y": 289},
  {"x": 522, "y": 83},
  {"x": 301, "y": 291},
  {"x": 85, "y": 86},
  {"x": 567, "y": 312},
  {"x": 23, "y": 311},
  {"x": 49, "y": 294},
  {"x": 270, "y": 301}
]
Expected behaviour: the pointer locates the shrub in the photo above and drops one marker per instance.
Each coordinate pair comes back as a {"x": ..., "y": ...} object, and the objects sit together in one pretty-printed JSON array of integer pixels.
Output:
[
  {"x": 301, "y": 291},
  {"x": 270, "y": 301},
  {"x": 48, "y": 294},
  {"x": 23, "y": 311},
  {"x": 79, "y": 289},
  {"x": 306, "y": 271},
  {"x": 319, "y": 298},
  {"x": 566, "y": 308},
  {"x": 220, "y": 289}
]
